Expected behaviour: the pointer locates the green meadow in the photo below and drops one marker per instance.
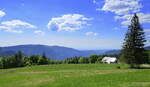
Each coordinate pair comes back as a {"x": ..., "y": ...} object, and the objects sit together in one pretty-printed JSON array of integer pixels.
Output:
[{"x": 75, "y": 75}]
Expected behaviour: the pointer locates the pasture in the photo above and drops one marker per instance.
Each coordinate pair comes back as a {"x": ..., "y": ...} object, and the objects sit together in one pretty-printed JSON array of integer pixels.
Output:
[{"x": 75, "y": 75}]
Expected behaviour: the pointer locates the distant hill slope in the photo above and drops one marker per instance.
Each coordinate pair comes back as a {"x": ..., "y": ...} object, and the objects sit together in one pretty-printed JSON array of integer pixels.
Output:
[
  {"x": 119, "y": 51},
  {"x": 147, "y": 48},
  {"x": 113, "y": 52},
  {"x": 6, "y": 53},
  {"x": 54, "y": 52}
]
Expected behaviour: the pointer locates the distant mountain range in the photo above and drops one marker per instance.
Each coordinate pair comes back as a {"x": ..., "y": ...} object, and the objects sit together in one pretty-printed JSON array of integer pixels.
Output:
[{"x": 54, "y": 52}]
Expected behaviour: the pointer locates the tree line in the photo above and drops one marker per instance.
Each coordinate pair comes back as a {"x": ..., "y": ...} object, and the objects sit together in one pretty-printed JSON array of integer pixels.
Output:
[
  {"x": 18, "y": 60},
  {"x": 88, "y": 60}
]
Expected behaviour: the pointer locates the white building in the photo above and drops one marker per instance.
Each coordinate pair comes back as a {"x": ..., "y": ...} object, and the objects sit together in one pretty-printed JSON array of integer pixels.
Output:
[{"x": 109, "y": 60}]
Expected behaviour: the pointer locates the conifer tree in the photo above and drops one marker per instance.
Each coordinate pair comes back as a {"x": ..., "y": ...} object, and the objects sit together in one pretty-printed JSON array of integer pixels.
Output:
[
  {"x": 133, "y": 47},
  {"x": 18, "y": 57}
]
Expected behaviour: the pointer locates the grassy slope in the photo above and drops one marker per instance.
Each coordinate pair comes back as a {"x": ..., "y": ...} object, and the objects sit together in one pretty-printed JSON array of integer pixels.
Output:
[{"x": 81, "y": 75}]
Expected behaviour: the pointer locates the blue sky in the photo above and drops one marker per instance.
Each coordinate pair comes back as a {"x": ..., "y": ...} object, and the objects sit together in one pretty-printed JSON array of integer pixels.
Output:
[{"x": 80, "y": 24}]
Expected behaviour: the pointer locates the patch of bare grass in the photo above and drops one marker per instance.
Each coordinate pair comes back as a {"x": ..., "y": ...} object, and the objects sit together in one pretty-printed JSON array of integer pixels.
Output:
[
  {"x": 39, "y": 81},
  {"x": 33, "y": 72},
  {"x": 141, "y": 83}
]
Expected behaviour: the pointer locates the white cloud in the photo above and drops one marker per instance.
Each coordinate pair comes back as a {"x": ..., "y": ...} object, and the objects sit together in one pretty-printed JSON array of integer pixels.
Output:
[
  {"x": 91, "y": 33},
  {"x": 14, "y": 25},
  {"x": 68, "y": 22},
  {"x": 8, "y": 29},
  {"x": 2, "y": 13},
  {"x": 124, "y": 10},
  {"x": 121, "y": 7},
  {"x": 39, "y": 32},
  {"x": 143, "y": 18},
  {"x": 147, "y": 30},
  {"x": 17, "y": 24}
]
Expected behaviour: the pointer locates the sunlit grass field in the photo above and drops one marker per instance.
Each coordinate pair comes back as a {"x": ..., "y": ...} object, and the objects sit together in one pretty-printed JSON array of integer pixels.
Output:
[{"x": 75, "y": 75}]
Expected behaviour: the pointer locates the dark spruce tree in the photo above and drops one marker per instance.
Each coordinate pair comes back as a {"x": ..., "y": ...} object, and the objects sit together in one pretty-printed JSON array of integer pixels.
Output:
[
  {"x": 19, "y": 57},
  {"x": 133, "y": 47},
  {"x": 43, "y": 60}
]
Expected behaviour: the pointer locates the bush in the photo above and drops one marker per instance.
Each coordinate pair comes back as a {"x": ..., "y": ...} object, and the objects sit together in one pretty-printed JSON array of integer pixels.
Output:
[
  {"x": 93, "y": 58},
  {"x": 9, "y": 62},
  {"x": 83, "y": 60},
  {"x": 42, "y": 61}
]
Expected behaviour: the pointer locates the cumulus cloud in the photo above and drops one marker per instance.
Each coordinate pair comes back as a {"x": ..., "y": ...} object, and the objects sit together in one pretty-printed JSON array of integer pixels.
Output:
[
  {"x": 17, "y": 24},
  {"x": 39, "y": 32},
  {"x": 124, "y": 10},
  {"x": 14, "y": 25},
  {"x": 2, "y": 13},
  {"x": 8, "y": 29},
  {"x": 121, "y": 7},
  {"x": 91, "y": 33},
  {"x": 143, "y": 18},
  {"x": 68, "y": 22}
]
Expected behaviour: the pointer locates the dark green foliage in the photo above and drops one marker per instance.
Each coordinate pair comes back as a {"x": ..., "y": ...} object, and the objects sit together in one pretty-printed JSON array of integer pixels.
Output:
[
  {"x": 44, "y": 56},
  {"x": 27, "y": 61},
  {"x": 43, "y": 60},
  {"x": 73, "y": 60},
  {"x": 34, "y": 59},
  {"x": 55, "y": 62},
  {"x": 133, "y": 47},
  {"x": 12, "y": 61},
  {"x": 18, "y": 59},
  {"x": 83, "y": 60},
  {"x": 8, "y": 62},
  {"x": 31, "y": 60},
  {"x": 147, "y": 56},
  {"x": 1, "y": 63},
  {"x": 86, "y": 60},
  {"x": 93, "y": 58},
  {"x": 99, "y": 59}
]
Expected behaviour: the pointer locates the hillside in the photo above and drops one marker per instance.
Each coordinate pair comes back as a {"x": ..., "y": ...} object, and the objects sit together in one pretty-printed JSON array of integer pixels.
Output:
[
  {"x": 113, "y": 52},
  {"x": 6, "y": 53},
  {"x": 54, "y": 52}
]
